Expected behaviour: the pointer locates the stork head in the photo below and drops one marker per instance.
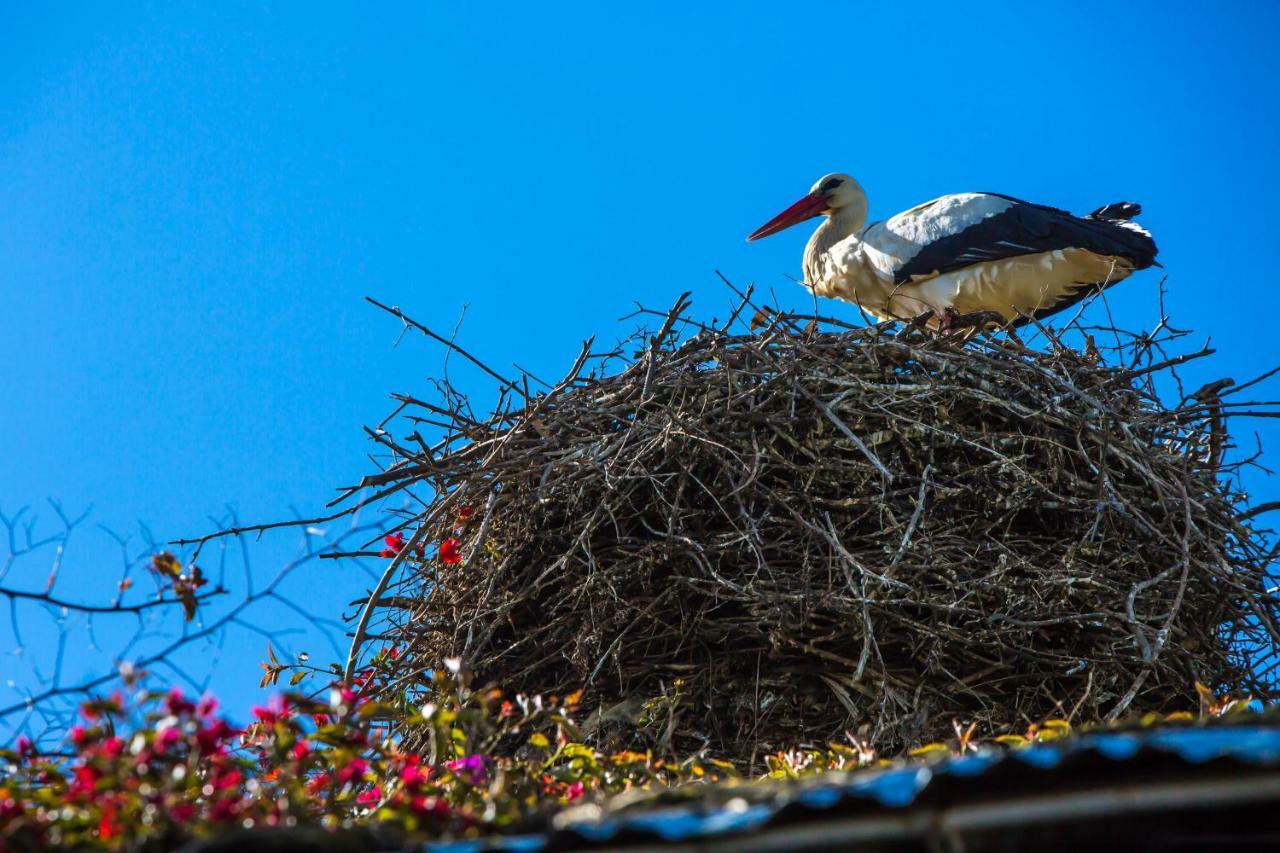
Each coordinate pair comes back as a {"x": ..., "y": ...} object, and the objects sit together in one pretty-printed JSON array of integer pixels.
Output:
[{"x": 833, "y": 194}]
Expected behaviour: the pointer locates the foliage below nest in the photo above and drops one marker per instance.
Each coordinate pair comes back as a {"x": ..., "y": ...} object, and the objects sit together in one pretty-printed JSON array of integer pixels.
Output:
[{"x": 745, "y": 538}]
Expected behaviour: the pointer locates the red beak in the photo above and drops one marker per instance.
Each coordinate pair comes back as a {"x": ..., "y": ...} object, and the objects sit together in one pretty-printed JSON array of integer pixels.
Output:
[{"x": 806, "y": 208}]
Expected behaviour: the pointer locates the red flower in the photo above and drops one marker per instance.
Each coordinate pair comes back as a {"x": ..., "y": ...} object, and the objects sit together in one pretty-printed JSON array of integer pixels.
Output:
[
  {"x": 223, "y": 810},
  {"x": 24, "y": 746},
  {"x": 227, "y": 780},
  {"x": 107, "y": 828},
  {"x": 211, "y": 737},
  {"x": 207, "y": 706},
  {"x": 577, "y": 789},
  {"x": 86, "y": 780},
  {"x": 465, "y": 513},
  {"x": 370, "y": 797},
  {"x": 182, "y": 812},
  {"x": 301, "y": 750},
  {"x": 434, "y": 806},
  {"x": 394, "y": 543},
  {"x": 450, "y": 554}
]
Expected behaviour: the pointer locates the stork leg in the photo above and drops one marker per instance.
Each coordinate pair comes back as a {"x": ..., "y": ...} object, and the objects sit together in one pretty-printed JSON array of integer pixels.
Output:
[
  {"x": 917, "y": 323},
  {"x": 977, "y": 320}
]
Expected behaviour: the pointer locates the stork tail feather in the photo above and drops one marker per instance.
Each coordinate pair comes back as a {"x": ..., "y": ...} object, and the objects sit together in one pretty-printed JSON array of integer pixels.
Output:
[{"x": 1118, "y": 210}]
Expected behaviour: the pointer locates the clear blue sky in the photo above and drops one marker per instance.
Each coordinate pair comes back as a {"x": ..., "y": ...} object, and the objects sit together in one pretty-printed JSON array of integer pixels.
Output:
[{"x": 194, "y": 198}]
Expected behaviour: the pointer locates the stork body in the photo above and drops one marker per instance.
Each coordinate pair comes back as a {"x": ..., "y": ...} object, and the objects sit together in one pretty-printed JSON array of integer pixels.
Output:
[{"x": 970, "y": 253}]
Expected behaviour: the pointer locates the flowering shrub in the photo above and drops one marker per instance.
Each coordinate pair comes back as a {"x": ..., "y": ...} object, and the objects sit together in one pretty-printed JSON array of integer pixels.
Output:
[{"x": 157, "y": 768}]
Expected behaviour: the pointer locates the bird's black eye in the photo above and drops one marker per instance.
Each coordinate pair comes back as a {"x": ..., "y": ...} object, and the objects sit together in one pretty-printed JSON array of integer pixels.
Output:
[{"x": 829, "y": 184}]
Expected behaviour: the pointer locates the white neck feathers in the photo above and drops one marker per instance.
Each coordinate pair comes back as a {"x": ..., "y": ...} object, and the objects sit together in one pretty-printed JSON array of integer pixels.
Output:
[{"x": 840, "y": 224}]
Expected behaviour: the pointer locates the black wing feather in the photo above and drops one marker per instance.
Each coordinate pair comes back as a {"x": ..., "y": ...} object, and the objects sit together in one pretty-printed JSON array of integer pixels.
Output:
[{"x": 1027, "y": 229}]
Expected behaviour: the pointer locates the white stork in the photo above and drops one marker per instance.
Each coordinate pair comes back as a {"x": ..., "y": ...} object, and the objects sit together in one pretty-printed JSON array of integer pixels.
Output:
[{"x": 972, "y": 254}]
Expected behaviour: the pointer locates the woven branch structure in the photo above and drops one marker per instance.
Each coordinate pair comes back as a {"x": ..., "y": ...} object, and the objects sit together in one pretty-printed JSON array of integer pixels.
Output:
[{"x": 747, "y": 540}]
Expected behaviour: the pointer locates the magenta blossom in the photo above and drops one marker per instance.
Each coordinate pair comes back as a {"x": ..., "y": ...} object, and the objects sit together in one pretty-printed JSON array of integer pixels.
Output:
[
  {"x": 275, "y": 710},
  {"x": 472, "y": 768}
]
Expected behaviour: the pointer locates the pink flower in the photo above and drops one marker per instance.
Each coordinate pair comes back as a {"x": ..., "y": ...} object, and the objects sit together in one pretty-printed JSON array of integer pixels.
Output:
[
  {"x": 347, "y": 699},
  {"x": 177, "y": 704},
  {"x": 450, "y": 553},
  {"x": 206, "y": 706},
  {"x": 371, "y": 797},
  {"x": 276, "y": 710},
  {"x": 166, "y": 738},
  {"x": 577, "y": 789},
  {"x": 413, "y": 776},
  {"x": 353, "y": 771},
  {"x": 24, "y": 746}
]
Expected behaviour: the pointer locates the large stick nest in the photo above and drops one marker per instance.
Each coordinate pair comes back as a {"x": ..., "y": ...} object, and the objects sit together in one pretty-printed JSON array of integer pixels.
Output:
[{"x": 752, "y": 539}]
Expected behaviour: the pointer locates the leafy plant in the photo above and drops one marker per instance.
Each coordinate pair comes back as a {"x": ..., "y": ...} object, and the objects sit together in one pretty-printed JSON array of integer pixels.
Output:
[{"x": 148, "y": 768}]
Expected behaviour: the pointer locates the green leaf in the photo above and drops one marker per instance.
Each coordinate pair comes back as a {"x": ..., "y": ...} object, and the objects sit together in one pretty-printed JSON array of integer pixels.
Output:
[
  {"x": 369, "y": 709},
  {"x": 578, "y": 750}
]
